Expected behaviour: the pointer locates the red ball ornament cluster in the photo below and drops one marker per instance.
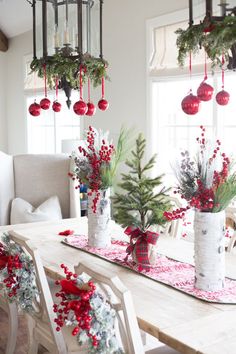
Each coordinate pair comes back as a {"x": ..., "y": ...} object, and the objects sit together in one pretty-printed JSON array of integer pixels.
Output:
[{"x": 79, "y": 306}]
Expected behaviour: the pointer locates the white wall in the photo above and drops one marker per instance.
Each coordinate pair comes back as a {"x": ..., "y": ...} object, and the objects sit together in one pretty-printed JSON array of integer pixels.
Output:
[
  {"x": 124, "y": 48},
  {"x": 16, "y": 112},
  {"x": 3, "y": 118}
]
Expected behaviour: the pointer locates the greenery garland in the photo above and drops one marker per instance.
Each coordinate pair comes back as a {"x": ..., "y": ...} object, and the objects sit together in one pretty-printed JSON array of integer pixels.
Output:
[
  {"x": 59, "y": 66},
  {"x": 216, "y": 38},
  {"x": 17, "y": 275}
]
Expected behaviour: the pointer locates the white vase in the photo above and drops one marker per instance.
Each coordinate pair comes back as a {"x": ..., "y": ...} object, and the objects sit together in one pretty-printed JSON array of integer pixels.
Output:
[
  {"x": 98, "y": 223},
  {"x": 209, "y": 250}
]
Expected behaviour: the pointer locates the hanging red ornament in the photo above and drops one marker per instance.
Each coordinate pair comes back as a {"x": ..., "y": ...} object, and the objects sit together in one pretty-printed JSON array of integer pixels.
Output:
[
  {"x": 191, "y": 104},
  {"x": 91, "y": 109},
  {"x": 80, "y": 108},
  {"x": 103, "y": 104},
  {"x": 56, "y": 106},
  {"x": 45, "y": 103},
  {"x": 205, "y": 92},
  {"x": 35, "y": 109},
  {"x": 222, "y": 98}
]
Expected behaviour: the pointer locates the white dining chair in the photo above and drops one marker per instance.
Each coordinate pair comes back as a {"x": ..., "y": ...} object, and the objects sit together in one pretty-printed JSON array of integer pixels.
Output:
[
  {"x": 120, "y": 299},
  {"x": 41, "y": 324},
  {"x": 12, "y": 312}
]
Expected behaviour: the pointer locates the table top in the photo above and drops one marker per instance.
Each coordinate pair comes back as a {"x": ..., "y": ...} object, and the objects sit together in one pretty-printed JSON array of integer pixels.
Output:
[{"x": 181, "y": 321}]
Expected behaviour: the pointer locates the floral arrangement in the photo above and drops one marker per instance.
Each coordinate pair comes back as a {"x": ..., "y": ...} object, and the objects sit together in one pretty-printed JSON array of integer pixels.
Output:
[
  {"x": 84, "y": 308},
  {"x": 215, "y": 37},
  {"x": 59, "y": 65},
  {"x": 97, "y": 162},
  {"x": 206, "y": 181},
  {"x": 17, "y": 274}
]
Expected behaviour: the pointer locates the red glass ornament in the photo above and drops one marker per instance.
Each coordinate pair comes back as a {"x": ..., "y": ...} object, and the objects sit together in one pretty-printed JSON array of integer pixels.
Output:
[
  {"x": 103, "y": 104},
  {"x": 34, "y": 109},
  {"x": 56, "y": 106},
  {"x": 91, "y": 109},
  {"x": 80, "y": 108},
  {"x": 205, "y": 92},
  {"x": 222, "y": 98},
  {"x": 190, "y": 104},
  {"x": 45, "y": 103}
]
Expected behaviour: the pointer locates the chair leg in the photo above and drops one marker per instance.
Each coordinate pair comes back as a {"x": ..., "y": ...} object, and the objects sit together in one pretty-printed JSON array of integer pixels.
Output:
[
  {"x": 33, "y": 347},
  {"x": 13, "y": 328}
]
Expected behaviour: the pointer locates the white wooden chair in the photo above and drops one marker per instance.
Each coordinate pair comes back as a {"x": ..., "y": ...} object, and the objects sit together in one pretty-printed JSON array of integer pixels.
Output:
[
  {"x": 42, "y": 328},
  {"x": 120, "y": 299},
  {"x": 11, "y": 310},
  {"x": 41, "y": 325}
]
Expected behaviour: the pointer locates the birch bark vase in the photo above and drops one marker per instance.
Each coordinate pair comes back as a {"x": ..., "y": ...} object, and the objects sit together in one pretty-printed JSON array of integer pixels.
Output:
[
  {"x": 98, "y": 223},
  {"x": 209, "y": 250}
]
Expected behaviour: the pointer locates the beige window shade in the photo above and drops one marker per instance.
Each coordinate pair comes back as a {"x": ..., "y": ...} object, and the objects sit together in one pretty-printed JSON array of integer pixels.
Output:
[{"x": 164, "y": 56}]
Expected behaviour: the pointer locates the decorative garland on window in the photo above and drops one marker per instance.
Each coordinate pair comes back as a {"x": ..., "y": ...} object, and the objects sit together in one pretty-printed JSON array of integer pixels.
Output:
[
  {"x": 17, "y": 274},
  {"x": 85, "y": 308}
]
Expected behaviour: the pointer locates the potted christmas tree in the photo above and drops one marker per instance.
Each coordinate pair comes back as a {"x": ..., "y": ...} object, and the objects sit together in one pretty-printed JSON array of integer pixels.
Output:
[{"x": 141, "y": 205}]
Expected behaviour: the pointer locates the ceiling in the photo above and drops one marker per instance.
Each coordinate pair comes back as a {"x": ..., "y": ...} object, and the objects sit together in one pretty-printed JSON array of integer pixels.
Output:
[{"x": 15, "y": 17}]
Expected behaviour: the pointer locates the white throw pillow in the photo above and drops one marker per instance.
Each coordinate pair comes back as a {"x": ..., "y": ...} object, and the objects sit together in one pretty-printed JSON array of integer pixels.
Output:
[{"x": 23, "y": 212}]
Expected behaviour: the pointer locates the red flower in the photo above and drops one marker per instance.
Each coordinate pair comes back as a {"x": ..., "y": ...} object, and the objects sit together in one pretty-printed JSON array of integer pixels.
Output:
[{"x": 3, "y": 261}]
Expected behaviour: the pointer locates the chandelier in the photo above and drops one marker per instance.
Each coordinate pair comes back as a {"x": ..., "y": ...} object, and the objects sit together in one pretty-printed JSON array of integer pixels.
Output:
[{"x": 68, "y": 51}]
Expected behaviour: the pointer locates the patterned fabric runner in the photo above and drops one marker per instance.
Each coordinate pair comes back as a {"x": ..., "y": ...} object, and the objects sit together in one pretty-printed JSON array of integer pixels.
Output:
[{"x": 173, "y": 273}]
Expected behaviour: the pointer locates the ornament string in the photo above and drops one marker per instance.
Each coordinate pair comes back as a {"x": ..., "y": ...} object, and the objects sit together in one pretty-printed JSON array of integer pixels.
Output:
[
  {"x": 223, "y": 72},
  {"x": 89, "y": 90},
  {"x": 205, "y": 68},
  {"x": 103, "y": 87},
  {"x": 80, "y": 83},
  {"x": 45, "y": 79},
  {"x": 34, "y": 86},
  {"x": 190, "y": 70},
  {"x": 56, "y": 88}
]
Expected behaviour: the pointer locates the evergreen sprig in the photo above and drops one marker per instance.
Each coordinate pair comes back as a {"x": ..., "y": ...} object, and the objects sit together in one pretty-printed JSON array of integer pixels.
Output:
[
  {"x": 139, "y": 205},
  {"x": 216, "y": 38},
  {"x": 58, "y": 66}
]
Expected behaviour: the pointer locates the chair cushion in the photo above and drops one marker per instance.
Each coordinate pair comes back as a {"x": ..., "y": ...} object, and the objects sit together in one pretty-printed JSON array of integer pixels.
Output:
[{"x": 23, "y": 212}]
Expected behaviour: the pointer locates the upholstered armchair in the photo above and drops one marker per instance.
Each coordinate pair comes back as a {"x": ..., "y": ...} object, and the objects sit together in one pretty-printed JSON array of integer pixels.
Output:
[{"x": 36, "y": 178}]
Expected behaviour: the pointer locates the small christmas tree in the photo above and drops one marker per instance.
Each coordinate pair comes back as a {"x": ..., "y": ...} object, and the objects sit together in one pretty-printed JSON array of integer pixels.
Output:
[{"x": 142, "y": 205}]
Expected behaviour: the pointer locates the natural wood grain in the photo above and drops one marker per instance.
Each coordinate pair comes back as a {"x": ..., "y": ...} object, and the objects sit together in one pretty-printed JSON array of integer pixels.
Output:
[
  {"x": 161, "y": 310},
  {"x": 3, "y": 42}
]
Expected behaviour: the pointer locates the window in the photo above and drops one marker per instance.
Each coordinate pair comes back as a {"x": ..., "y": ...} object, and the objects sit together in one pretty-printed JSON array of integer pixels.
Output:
[
  {"x": 170, "y": 129},
  {"x": 46, "y": 132}
]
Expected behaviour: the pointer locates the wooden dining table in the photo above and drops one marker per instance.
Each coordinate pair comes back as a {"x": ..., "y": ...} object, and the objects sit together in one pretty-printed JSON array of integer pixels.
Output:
[{"x": 185, "y": 323}]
